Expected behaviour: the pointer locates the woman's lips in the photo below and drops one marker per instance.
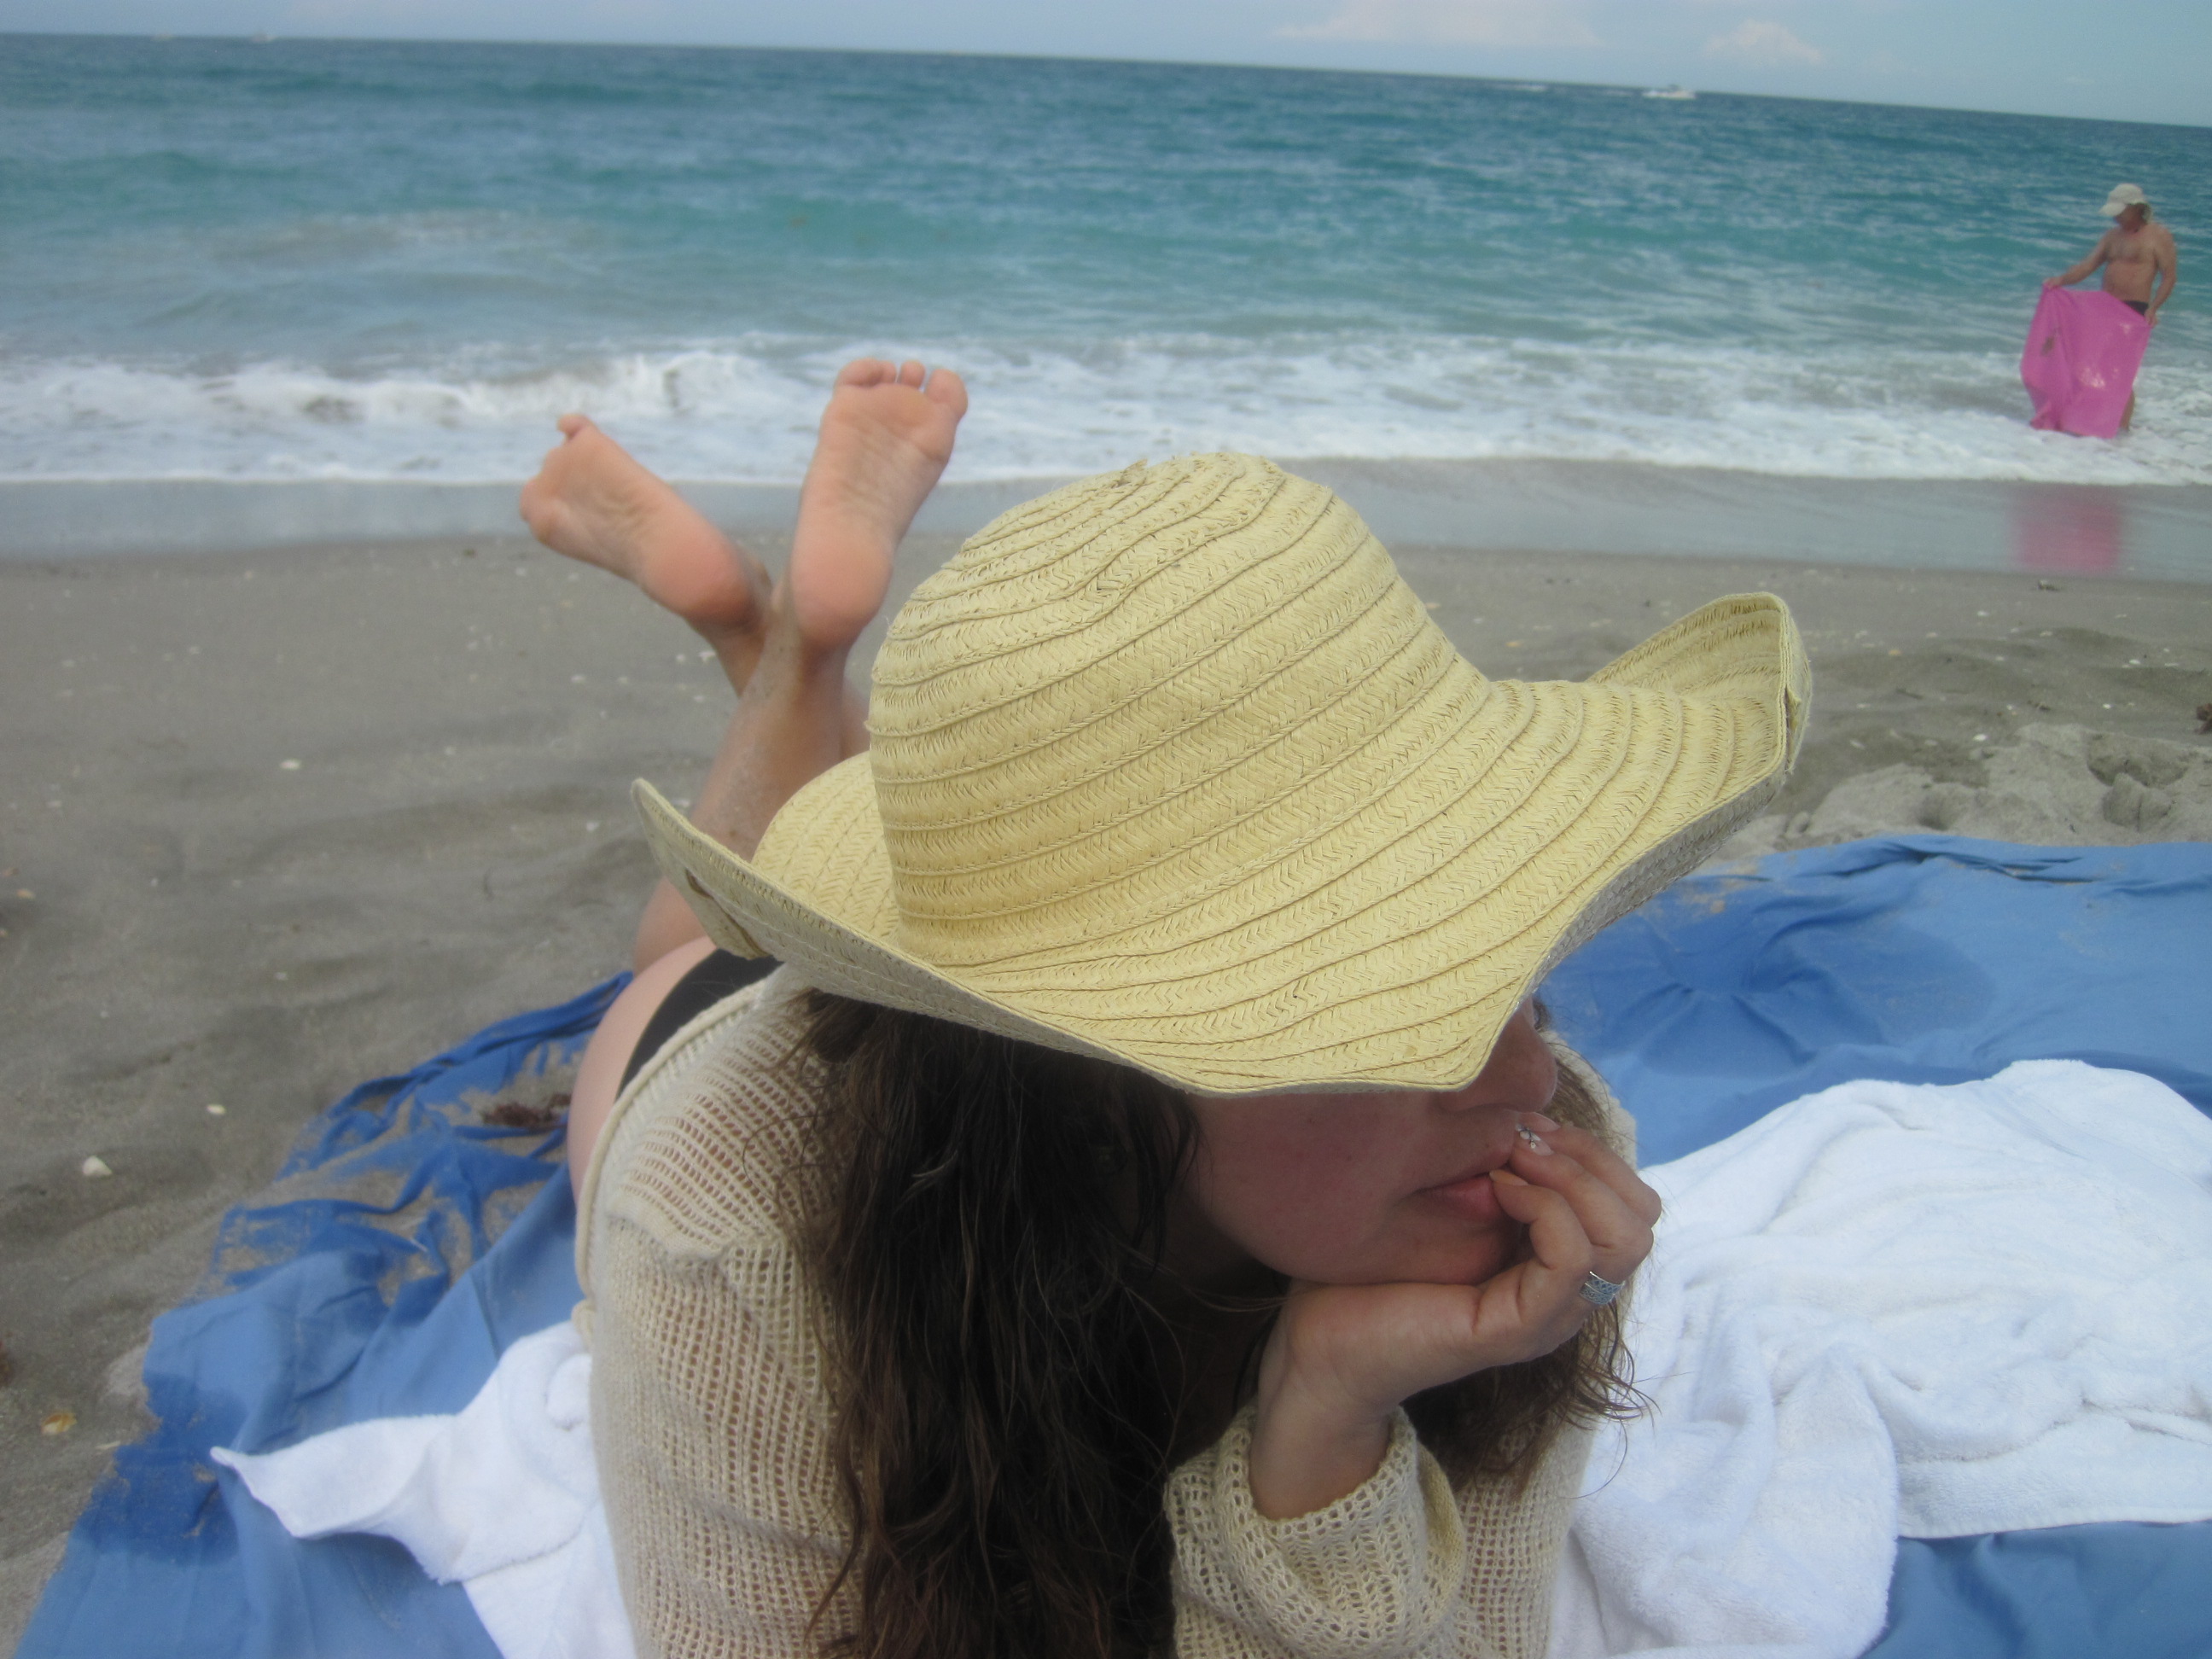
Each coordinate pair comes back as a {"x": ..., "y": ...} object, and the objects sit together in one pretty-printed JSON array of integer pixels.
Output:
[{"x": 1474, "y": 1197}]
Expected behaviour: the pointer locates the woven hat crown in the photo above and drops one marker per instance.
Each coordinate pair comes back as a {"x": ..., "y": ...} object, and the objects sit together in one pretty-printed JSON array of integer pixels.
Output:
[{"x": 1134, "y": 694}]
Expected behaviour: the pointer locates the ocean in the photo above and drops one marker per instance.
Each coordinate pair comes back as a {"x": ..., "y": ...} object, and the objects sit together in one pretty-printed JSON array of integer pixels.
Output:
[{"x": 318, "y": 260}]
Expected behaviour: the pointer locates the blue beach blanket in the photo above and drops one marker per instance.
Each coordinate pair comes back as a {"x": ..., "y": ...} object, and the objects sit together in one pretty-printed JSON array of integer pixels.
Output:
[
  {"x": 405, "y": 1243},
  {"x": 409, "y": 1238}
]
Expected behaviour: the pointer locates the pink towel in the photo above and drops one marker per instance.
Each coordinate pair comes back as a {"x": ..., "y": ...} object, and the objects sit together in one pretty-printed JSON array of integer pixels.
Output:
[{"x": 2083, "y": 350}]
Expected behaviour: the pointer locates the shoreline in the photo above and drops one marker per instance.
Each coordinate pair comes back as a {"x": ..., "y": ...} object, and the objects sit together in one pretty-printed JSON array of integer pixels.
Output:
[
  {"x": 2151, "y": 531},
  {"x": 210, "y": 923}
]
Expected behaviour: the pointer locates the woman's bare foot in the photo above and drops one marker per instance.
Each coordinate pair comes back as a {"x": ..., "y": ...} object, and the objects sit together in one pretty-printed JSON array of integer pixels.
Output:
[
  {"x": 592, "y": 501},
  {"x": 884, "y": 439}
]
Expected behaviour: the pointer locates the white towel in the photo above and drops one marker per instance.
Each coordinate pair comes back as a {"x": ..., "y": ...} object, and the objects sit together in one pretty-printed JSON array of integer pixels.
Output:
[
  {"x": 1890, "y": 1310},
  {"x": 1880, "y": 1310},
  {"x": 502, "y": 1499}
]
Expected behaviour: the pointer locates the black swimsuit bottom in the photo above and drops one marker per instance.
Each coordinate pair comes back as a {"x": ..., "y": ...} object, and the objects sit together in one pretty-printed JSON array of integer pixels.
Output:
[
  {"x": 2142, "y": 307},
  {"x": 710, "y": 979}
]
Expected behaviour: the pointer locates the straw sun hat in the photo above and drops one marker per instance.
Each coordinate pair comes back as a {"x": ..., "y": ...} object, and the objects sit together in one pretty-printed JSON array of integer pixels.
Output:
[{"x": 1170, "y": 767}]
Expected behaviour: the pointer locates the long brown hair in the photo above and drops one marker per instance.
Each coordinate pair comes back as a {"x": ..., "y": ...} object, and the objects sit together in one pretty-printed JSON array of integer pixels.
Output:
[{"x": 1007, "y": 1395}]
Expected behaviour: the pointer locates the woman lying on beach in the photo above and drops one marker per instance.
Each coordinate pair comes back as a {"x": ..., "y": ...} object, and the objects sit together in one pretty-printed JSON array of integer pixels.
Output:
[{"x": 1147, "y": 1213}]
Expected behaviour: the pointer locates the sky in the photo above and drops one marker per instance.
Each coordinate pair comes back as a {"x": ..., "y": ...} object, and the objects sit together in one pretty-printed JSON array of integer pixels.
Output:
[{"x": 2143, "y": 60}]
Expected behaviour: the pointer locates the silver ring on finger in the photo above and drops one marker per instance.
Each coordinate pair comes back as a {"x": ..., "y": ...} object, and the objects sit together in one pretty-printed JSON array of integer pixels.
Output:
[{"x": 1599, "y": 1292}]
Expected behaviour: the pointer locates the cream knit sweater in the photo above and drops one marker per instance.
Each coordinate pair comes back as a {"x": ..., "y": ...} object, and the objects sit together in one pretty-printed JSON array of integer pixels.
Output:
[{"x": 709, "y": 1416}]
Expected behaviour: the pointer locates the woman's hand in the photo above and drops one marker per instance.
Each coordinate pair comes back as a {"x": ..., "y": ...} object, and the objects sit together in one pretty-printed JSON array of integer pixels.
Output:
[{"x": 1343, "y": 1357}]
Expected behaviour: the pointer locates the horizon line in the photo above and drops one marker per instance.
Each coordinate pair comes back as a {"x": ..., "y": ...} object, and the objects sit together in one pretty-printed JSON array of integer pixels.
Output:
[{"x": 1549, "y": 81}]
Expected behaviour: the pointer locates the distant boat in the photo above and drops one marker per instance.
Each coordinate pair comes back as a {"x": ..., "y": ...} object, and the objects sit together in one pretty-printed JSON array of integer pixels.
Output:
[
  {"x": 1675, "y": 95},
  {"x": 262, "y": 39},
  {"x": 1531, "y": 86}
]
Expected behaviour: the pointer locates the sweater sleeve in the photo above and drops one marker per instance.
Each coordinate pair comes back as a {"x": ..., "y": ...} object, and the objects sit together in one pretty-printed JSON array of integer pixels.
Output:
[
  {"x": 1377, "y": 1575},
  {"x": 1403, "y": 1567}
]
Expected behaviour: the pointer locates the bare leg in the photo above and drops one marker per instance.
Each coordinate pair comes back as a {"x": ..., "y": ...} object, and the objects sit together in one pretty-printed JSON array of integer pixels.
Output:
[
  {"x": 2128, "y": 420},
  {"x": 884, "y": 439},
  {"x": 592, "y": 501}
]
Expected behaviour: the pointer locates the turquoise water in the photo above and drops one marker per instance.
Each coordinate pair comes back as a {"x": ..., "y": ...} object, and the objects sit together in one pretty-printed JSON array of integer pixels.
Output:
[{"x": 361, "y": 260}]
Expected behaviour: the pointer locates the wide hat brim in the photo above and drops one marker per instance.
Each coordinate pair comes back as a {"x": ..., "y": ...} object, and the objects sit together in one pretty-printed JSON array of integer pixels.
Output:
[{"x": 1179, "y": 855}]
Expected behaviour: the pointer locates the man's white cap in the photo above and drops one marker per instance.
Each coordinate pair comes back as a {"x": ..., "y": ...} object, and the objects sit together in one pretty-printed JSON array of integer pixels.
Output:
[{"x": 2122, "y": 198}]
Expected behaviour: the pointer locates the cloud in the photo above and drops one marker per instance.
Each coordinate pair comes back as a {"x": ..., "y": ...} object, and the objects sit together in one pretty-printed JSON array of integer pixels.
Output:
[
  {"x": 497, "y": 19},
  {"x": 360, "y": 11},
  {"x": 1757, "y": 40},
  {"x": 1460, "y": 23}
]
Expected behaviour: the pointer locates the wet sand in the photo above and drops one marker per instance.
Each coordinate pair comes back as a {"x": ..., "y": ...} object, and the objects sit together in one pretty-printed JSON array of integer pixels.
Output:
[
  {"x": 273, "y": 822},
  {"x": 2142, "y": 531}
]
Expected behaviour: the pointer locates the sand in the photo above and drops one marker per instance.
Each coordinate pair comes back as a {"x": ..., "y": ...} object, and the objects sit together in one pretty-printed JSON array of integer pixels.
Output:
[{"x": 274, "y": 822}]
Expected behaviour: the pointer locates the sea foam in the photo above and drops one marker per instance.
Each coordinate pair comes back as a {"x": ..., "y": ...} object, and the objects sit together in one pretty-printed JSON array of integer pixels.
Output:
[{"x": 744, "y": 411}]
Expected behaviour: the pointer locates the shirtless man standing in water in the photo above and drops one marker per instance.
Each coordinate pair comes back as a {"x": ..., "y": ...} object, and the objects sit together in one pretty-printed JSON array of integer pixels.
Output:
[{"x": 2135, "y": 253}]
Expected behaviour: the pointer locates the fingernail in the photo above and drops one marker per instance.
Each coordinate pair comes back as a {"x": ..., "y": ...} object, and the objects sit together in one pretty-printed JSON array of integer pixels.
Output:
[
  {"x": 1507, "y": 1178},
  {"x": 1531, "y": 1140},
  {"x": 1538, "y": 1120}
]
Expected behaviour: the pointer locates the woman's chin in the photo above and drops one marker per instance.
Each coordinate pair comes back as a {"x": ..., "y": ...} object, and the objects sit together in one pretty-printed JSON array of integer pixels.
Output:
[{"x": 1449, "y": 1260}]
